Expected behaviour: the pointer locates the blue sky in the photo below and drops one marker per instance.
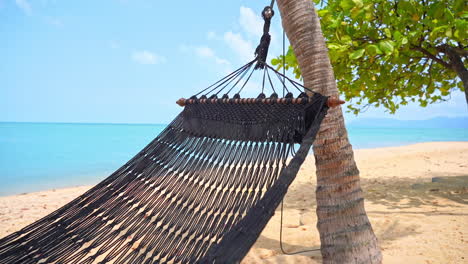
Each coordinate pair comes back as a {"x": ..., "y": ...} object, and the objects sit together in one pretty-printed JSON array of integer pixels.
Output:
[{"x": 111, "y": 61}]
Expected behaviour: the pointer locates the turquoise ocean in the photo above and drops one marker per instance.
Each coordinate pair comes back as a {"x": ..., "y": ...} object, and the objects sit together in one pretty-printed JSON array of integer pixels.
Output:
[{"x": 43, "y": 156}]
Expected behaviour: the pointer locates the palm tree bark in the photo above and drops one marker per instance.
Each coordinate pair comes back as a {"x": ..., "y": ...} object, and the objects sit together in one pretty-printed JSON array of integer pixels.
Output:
[
  {"x": 458, "y": 66},
  {"x": 346, "y": 234}
]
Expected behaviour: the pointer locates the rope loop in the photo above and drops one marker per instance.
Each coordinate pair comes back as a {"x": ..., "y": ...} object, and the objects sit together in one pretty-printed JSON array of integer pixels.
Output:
[{"x": 261, "y": 52}]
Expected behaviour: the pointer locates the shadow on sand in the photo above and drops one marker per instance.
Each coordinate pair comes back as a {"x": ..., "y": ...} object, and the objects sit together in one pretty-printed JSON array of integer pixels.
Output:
[
  {"x": 394, "y": 193},
  {"x": 401, "y": 193}
]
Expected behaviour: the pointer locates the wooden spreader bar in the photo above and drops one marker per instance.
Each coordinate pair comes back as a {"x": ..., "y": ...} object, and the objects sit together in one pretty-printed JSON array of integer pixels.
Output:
[{"x": 332, "y": 102}]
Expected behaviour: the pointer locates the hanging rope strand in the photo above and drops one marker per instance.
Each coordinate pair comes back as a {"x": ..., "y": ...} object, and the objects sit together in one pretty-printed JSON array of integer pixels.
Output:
[
  {"x": 290, "y": 80},
  {"x": 281, "y": 79},
  {"x": 261, "y": 52},
  {"x": 228, "y": 81},
  {"x": 263, "y": 82},
  {"x": 226, "y": 77},
  {"x": 246, "y": 81},
  {"x": 284, "y": 61},
  {"x": 240, "y": 78},
  {"x": 233, "y": 78},
  {"x": 271, "y": 83}
]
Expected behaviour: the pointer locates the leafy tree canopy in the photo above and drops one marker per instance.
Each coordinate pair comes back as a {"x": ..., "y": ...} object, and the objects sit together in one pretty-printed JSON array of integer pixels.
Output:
[{"x": 389, "y": 52}]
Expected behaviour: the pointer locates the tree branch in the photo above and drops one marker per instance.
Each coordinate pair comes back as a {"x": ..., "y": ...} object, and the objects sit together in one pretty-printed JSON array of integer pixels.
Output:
[
  {"x": 432, "y": 56},
  {"x": 458, "y": 66},
  {"x": 460, "y": 51}
]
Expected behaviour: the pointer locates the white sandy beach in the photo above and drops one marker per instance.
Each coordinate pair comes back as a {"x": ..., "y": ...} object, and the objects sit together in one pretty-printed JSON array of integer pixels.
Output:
[{"x": 416, "y": 221}]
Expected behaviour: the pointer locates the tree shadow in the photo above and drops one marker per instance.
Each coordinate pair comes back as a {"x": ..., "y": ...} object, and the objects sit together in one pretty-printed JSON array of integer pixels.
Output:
[
  {"x": 392, "y": 231},
  {"x": 395, "y": 193},
  {"x": 405, "y": 193},
  {"x": 301, "y": 196}
]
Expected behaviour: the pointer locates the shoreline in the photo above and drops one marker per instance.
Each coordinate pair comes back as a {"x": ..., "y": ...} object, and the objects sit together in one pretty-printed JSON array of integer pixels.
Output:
[
  {"x": 389, "y": 148},
  {"x": 415, "y": 219}
]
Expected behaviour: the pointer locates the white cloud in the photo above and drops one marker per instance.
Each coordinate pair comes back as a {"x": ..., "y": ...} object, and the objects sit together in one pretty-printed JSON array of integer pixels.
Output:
[
  {"x": 147, "y": 57},
  {"x": 25, "y": 6},
  {"x": 251, "y": 22},
  {"x": 206, "y": 52},
  {"x": 241, "y": 46},
  {"x": 222, "y": 61}
]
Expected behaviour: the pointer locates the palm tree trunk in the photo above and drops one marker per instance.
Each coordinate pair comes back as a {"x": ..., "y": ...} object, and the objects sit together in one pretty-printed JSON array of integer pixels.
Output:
[
  {"x": 346, "y": 234},
  {"x": 458, "y": 66}
]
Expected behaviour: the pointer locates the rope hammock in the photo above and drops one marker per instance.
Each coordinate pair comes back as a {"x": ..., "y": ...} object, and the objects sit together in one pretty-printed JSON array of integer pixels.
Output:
[{"x": 200, "y": 192}]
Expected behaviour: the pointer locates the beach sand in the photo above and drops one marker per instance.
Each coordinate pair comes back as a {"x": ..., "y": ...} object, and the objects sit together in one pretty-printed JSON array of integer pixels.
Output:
[{"x": 416, "y": 220}]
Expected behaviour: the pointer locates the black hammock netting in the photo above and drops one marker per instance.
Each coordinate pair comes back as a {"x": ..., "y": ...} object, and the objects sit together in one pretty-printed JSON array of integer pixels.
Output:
[{"x": 200, "y": 192}]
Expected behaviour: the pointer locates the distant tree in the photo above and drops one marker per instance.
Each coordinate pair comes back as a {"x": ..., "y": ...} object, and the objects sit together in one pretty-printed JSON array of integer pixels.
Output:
[{"x": 389, "y": 52}]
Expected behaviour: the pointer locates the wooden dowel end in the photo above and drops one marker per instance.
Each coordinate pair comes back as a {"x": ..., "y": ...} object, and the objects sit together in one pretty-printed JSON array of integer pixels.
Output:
[
  {"x": 181, "y": 102},
  {"x": 334, "y": 102}
]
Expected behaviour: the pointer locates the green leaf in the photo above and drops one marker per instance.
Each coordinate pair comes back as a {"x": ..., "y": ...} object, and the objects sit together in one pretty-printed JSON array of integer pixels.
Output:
[
  {"x": 386, "y": 46},
  {"x": 388, "y": 33},
  {"x": 448, "y": 32},
  {"x": 397, "y": 35},
  {"x": 347, "y": 4},
  {"x": 436, "y": 30},
  {"x": 464, "y": 15},
  {"x": 323, "y": 12},
  {"x": 356, "y": 54},
  {"x": 392, "y": 107},
  {"x": 458, "y": 5},
  {"x": 334, "y": 46},
  {"x": 404, "y": 41},
  {"x": 358, "y": 3},
  {"x": 436, "y": 10},
  {"x": 345, "y": 39},
  {"x": 356, "y": 12},
  {"x": 373, "y": 50},
  {"x": 448, "y": 14}
]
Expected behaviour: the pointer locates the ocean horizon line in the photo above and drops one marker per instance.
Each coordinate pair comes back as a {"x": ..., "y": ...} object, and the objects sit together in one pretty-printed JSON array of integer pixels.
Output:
[
  {"x": 349, "y": 121},
  {"x": 81, "y": 123}
]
